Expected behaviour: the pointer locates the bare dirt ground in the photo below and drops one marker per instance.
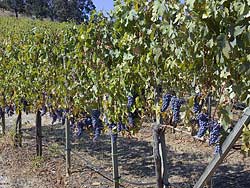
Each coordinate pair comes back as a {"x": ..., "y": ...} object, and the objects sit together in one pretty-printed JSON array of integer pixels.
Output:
[{"x": 92, "y": 166}]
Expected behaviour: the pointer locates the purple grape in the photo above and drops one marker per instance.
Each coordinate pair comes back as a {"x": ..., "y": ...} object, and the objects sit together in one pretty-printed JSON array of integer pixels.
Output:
[
  {"x": 165, "y": 102},
  {"x": 121, "y": 126},
  {"x": 215, "y": 129},
  {"x": 131, "y": 101},
  {"x": 203, "y": 124},
  {"x": 176, "y": 106},
  {"x": 88, "y": 121},
  {"x": 96, "y": 123},
  {"x": 197, "y": 106}
]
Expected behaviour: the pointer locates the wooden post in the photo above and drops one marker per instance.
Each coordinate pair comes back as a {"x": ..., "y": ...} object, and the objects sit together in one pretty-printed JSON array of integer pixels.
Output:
[
  {"x": 20, "y": 130},
  {"x": 68, "y": 147},
  {"x": 163, "y": 154},
  {"x": 3, "y": 121},
  {"x": 18, "y": 135},
  {"x": 157, "y": 157},
  {"x": 38, "y": 134},
  {"x": 115, "y": 159}
]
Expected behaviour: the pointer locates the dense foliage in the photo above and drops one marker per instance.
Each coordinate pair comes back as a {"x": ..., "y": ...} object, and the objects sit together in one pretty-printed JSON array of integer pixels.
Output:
[{"x": 141, "y": 46}]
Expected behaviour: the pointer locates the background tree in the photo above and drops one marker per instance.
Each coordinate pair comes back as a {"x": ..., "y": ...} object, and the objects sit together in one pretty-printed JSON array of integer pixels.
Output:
[
  {"x": 59, "y": 10},
  {"x": 37, "y": 8},
  {"x": 77, "y": 10},
  {"x": 18, "y": 6}
]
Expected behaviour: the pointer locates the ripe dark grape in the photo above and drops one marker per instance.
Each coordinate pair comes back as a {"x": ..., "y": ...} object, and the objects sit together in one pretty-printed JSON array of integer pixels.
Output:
[
  {"x": 165, "y": 102},
  {"x": 95, "y": 113},
  {"x": 121, "y": 126},
  {"x": 203, "y": 124},
  {"x": 96, "y": 123},
  {"x": 215, "y": 129},
  {"x": 197, "y": 106},
  {"x": 88, "y": 121},
  {"x": 176, "y": 106},
  {"x": 131, "y": 115},
  {"x": 131, "y": 101}
]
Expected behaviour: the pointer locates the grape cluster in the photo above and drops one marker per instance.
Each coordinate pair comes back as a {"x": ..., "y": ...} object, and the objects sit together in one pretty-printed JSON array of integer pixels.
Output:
[
  {"x": 215, "y": 129},
  {"x": 121, "y": 126},
  {"x": 58, "y": 114},
  {"x": 88, "y": 121},
  {"x": 131, "y": 115},
  {"x": 176, "y": 106},
  {"x": 96, "y": 123},
  {"x": 203, "y": 124},
  {"x": 197, "y": 106},
  {"x": 131, "y": 101},
  {"x": 165, "y": 102}
]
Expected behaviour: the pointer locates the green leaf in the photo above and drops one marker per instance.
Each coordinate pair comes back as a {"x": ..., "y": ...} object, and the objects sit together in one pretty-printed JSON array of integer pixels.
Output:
[
  {"x": 238, "y": 30},
  {"x": 190, "y": 3}
]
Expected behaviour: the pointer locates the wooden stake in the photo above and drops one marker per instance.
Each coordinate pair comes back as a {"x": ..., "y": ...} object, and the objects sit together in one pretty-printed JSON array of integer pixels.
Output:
[
  {"x": 163, "y": 154},
  {"x": 115, "y": 160},
  {"x": 3, "y": 122},
  {"x": 18, "y": 135},
  {"x": 68, "y": 147},
  {"x": 38, "y": 134},
  {"x": 157, "y": 157}
]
